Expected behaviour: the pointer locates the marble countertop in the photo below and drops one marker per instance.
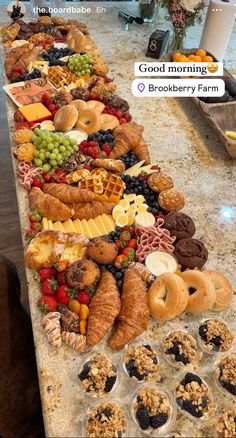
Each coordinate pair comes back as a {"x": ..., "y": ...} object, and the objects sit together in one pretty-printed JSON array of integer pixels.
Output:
[{"x": 186, "y": 148}]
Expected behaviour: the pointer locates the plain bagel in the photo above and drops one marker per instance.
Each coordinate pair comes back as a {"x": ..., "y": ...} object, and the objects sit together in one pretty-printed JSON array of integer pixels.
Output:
[
  {"x": 223, "y": 289},
  {"x": 79, "y": 104},
  {"x": 167, "y": 297},
  {"x": 109, "y": 121},
  {"x": 65, "y": 118},
  {"x": 89, "y": 121},
  {"x": 201, "y": 291}
]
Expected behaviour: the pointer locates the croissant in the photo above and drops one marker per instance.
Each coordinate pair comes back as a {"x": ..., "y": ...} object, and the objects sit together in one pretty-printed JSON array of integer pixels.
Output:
[
  {"x": 90, "y": 210},
  {"x": 109, "y": 164},
  {"x": 134, "y": 314},
  {"x": 51, "y": 325},
  {"x": 127, "y": 137},
  {"x": 142, "y": 152},
  {"x": 68, "y": 194},
  {"x": 104, "y": 308},
  {"x": 73, "y": 340},
  {"x": 49, "y": 206}
]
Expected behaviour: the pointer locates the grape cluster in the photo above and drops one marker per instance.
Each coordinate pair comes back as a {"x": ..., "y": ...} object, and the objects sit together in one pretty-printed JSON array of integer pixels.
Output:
[
  {"x": 102, "y": 137},
  {"x": 129, "y": 159},
  {"x": 140, "y": 187},
  {"x": 52, "y": 148},
  {"x": 81, "y": 65},
  {"x": 27, "y": 76}
]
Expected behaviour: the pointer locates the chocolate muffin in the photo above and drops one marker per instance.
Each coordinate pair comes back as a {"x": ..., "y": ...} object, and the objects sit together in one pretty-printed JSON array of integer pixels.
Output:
[
  {"x": 179, "y": 225},
  {"x": 191, "y": 253},
  {"x": 83, "y": 274},
  {"x": 102, "y": 250}
]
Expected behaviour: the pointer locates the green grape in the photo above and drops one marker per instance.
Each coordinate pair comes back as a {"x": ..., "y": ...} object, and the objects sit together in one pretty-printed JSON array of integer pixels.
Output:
[
  {"x": 34, "y": 138},
  {"x": 59, "y": 157},
  {"x": 53, "y": 163},
  {"x": 50, "y": 146},
  {"x": 62, "y": 148},
  {"x": 36, "y": 154},
  {"x": 87, "y": 71},
  {"x": 52, "y": 156},
  {"x": 42, "y": 156},
  {"x": 60, "y": 162},
  {"x": 56, "y": 144},
  {"x": 66, "y": 143},
  {"x": 48, "y": 140},
  {"x": 56, "y": 137},
  {"x": 46, "y": 167},
  {"x": 67, "y": 154},
  {"x": 75, "y": 147},
  {"x": 83, "y": 72},
  {"x": 43, "y": 144},
  {"x": 37, "y": 131},
  {"x": 47, "y": 154},
  {"x": 38, "y": 162},
  {"x": 55, "y": 151}
]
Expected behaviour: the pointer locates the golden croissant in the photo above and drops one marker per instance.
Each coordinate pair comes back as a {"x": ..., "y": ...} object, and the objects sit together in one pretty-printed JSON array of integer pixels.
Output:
[
  {"x": 103, "y": 310},
  {"x": 68, "y": 194},
  {"x": 141, "y": 151},
  {"x": 49, "y": 206},
  {"x": 127, "y": 137},
  {"x": 134, "y": 314},
  {"x": 90, "y": 210}
]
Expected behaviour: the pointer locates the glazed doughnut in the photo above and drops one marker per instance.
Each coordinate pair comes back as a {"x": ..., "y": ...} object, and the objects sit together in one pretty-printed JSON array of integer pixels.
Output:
[
  {"x": 109, "y": 122},
  {"x": 167, "y": 297},
  {"x": 200, "y": 289},
  {"x": 88, "y": 121},
  {"x": 223, "y": 290},
  {"x": 96, "y": 105},
  {"x": 79, "y": 104}
]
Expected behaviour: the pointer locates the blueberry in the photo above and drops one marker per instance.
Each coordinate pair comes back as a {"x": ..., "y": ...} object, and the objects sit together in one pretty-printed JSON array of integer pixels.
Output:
[
  {"x": 119, "y": 275},
  {"x": 119, "y": 283},
  {"x": 203, "y": 331}
]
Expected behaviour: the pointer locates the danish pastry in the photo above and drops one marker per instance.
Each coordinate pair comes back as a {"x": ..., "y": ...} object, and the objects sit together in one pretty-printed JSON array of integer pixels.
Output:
[
  {"x": 109, "y": 164},
  {"x": 167, "y": 297},
  {"x": 51, "y": 325},
  {"x": 88, "y": 121},
  {"x": 223, "y": 290},
  {"x": 201, "y": 291}
]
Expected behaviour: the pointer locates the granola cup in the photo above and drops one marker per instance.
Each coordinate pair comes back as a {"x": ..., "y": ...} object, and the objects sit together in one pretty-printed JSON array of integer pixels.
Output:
[
  {"x": 106, "y": 419},
  {"x": 141, "y": 362},
  {"x": 180, "y": 349},
  {"x": 153, "y": 410},
  {"x": 225, "y": 374},
  {"x": 98, "y": 376},
  {"x": 215, "y": 336}
]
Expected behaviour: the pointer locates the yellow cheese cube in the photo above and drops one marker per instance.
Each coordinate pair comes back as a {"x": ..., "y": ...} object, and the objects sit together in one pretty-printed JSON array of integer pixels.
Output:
[
  {"x": 34, "y": 111},
  {"x": 101, "y": 226},
  {"x": 93, "y": 228},
  {"x": 78, "y": 226},
  {"x": 58, "y": 226},
  {"x": 69, "y": 226},
  {"x": 86, "y": 229},
  {"x": 109, "y": 222}
]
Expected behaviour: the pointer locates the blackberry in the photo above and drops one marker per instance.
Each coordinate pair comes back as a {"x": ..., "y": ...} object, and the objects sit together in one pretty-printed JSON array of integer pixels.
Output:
[
  {"x": 107, "y": 412},
  {"x": 203, "y": 332},
  {"x": 158, "y": 420},
  {"x": 180, "y": 402},
  {"x": 109, "y": 383},
  {"x": 192, "y": 409},
  {"x": 142, "y": 415},
  {"x": 130, "y": 365},
  {"x": 148, "y": 347},
  {"x": 216, "y": 341},
  {"x": 204, "y": 401},
  {"x": 182, "y": 358},
  {"x": 84, "y": 373},
  {"x": 228, "y": 386},
  {"x": 134, "y": 373},
  {"x": 102, "y": 137},
  {"x": 190, "y": 377}
]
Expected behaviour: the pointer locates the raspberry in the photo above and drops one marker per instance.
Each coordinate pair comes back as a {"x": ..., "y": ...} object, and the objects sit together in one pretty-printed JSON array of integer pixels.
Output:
[
  {"x": 127, "y": 116},
  {"x": 106, "y": 148},
  {"x": 93, "y": 144},
  {"x": 118, "y": 114},
  {"x": 122, "y": 121}
]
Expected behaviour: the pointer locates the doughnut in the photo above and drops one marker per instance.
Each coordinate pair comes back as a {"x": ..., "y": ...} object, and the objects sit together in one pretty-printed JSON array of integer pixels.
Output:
[
  {"x": 167, "y": 297},
  {"x": 223, "y": 289},
  {"x": 109, "y": 121},
  {"x": 88, "y": 121},
  {"x": 171, "y": 199},
  {"x": 179, "y": 225},
  {"x": 200, "y": 289},
  {"x": 96, "y": 105},
  {"x": 79, "y": 104},
  {"x": 191, "y": 253}
]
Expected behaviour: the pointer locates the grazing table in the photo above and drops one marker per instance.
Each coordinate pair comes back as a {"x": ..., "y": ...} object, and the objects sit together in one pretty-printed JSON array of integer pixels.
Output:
[{"x": 186, "y": 148}]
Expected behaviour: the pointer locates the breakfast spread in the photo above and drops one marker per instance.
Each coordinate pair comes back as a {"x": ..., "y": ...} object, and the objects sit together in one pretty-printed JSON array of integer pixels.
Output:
[{"x": 113, "y": 254}]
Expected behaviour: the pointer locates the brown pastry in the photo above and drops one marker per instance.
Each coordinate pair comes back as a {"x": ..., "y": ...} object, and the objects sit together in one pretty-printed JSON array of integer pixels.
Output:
[
  {"x": 90, "y": 210},
  {"x": 171, "y": 200},
  {"x": 127, "y": 137},
  {"x": 179, "y": 225},
  {"x": 68, "y": 194},
  {"x": 12, "y": 32},
  {"x": 58, "y": 21},
  {"x": 24, "y": 151},
  {"x": 223, "y": 289},
  {"x": 102, "y": 250},
  {"x": 45, "y": 20},
  {"x": 109, "y": 164},
  {"x": 100, "y": 67},
  {"x": 23, "y": 136},
  {"x": 160, "y": 181},
  {"x": 69, "y": 320},
  {"x": 144, "y": 273},
  {"x": 74, "y": 340},
  {"x": 49, "y": 206},
  {"x": 142, "y": 152},
  {"x": 52, "y": 328},
  {"x": 83, "y": 274},
  {"x": 191, "y": 253},
  {"x": 134, "y": 315},
  {"x": 103, "y": 309}
]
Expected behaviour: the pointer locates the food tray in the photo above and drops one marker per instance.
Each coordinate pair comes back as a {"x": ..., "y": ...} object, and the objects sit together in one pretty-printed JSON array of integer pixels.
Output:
[
  {"x": 7, "y": 88},
  {"x": 221, "y": 116}
]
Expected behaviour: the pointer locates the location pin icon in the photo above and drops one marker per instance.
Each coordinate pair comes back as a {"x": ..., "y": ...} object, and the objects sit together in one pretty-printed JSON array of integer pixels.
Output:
[{"x": 141, "y": 87}]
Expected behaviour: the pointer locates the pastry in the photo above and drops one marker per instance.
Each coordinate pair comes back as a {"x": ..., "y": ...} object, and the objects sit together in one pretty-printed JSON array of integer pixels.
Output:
[
  {"x": 118, "y": 103},
  {"x": 179, "y": 225},
  {"x": 83, "y": 274},
  {"x": 23, "y": 136},
  {"x": 100, "y": 67},
  {"x": 223, "y": 289},
  {"x": 102, "y": 250},
  {"x": 88, "y": 121},
  {"x": 24, "y": 152},
  {"x": 160, "y": 181},
  {"x": 141, "y": 151},
  {"x": 74, "y": 340},
  {"x": 65, "y": 118},
  {"x": 144, "y": 273},
  {"x": 75, "y": 40},
  {"x": 103, "y": 309},
  {"x": 201, "y": 291},
  {"x": 90, "y": 210},
  {"x": 171, "y": 200},
  {"x": 109, "y": 164},
  {"x": 127, "y": 137},
  {"x": 134, "y": 315},
  {"x": 51, "y": 326},
  {"x": 69, "y": 320},
  {"x": 49, "y": 206},
  {"x": 45, "y": 20},
  {"x": 68, "y": 194},
  {"x": 109, "y": 122},
  {"x": 191, "y": 253},
  {"x": 12, "y": 32},
  {"x": 167, "y": 297},
  {"x": 58, "y": 21}
]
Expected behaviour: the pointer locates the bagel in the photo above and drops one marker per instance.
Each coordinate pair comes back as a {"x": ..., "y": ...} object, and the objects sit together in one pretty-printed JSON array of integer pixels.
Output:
[
  {"x": 79, "y": 104},
  {"x": 201, "y": 291},
  {"x": 96, "y": 105},
  {"x": 89, "y": 121},
  {"x": 167, "y": 297},
  {"x": 65, "y": 118},
  {"x": 109, "y": 122},
  {"x": 223, "y": 289}
]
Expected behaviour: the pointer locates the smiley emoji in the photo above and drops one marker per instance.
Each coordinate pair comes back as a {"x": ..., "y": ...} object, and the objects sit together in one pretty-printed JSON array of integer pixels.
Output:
[{"x": 212, "y": 67}]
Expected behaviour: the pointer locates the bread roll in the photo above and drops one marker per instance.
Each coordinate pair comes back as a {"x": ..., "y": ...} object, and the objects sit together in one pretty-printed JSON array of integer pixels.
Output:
[{"x": 65, "y": 118}]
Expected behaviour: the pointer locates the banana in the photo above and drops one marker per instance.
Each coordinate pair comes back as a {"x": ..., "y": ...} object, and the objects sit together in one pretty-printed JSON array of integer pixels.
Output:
[{"x": 231, "y": 134}]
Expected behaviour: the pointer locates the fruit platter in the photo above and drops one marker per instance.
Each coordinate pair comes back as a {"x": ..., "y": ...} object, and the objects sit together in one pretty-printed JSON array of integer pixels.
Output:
[
  {"x": 219, "y": 112},
  {"x": 128, "y": 313}
]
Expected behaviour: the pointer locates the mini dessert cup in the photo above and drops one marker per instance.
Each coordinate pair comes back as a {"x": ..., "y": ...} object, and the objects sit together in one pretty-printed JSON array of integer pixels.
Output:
[
  {"x": 226, "y": 425},
  {"x": 183, "y": 353},
  {"x": 178, "y": 434},
  {"x": 106, "y": 418},
  {"x": 194, "y": 396},
  {"x": 141, "y": 362},
  {"x": 153, "y": 410},
  {"x": 225, "y": 374},
  {"x": 98, "y": 376},
  {"x": 214, "y": 336}
]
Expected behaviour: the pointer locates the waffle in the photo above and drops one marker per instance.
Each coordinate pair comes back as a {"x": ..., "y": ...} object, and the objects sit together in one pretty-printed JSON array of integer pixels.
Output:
[
  {"x": 77, "y": 176},
  {"x": 60, "y": 76},
  {"x": 113, "y": 188},
  {"x": 93, "y": 184},
  {"x": 101, "y": 173}
]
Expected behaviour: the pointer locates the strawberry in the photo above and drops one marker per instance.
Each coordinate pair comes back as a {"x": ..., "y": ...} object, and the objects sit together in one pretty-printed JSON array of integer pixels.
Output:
[
  {"x": 46, "y": 273},
  {"x": 93, "y": 144},
  {"x": 132, "y": 244},
  {"x": 122, "y": 121},
  {"x": 143, "y": 175},
  {"x": 47, "y": 177},
  {"x": 125, "y": 236},
  {"x": 38, "y": 181},
  {"x": 35, "y": 216},
  {"x": 61, "y": 265},
  {"x": 106, "y": 148},
  {"x": 61, "y": 277},
  {"x": 49, "y": 286},
  {"x": 87, "y": 166},
  {"x": 36, "y": 226},
  {"x": 121, "y": 261},
  {"x": 46, "y": 303},
  {"x": 129, "y": 253},
  {"x": 52, "y": 107},
  {"x": 127, "y": 116},
  {"x": 105, "y": 100},
  {"x": 102, "y": 155},
  {"x": 45, "y": 98},
  {"x": 30, "y": 234},
  {"x": 155, "y": 167},
  {"x": 64, "y": 294},
  {"x": 59, "y": 171},
  {"x": 59, "y": 180},
  {"x": 129, "y": 229},
  {"x": 83, "y": 297}
]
